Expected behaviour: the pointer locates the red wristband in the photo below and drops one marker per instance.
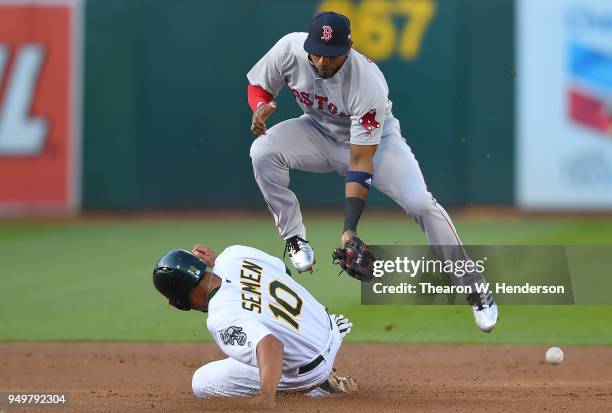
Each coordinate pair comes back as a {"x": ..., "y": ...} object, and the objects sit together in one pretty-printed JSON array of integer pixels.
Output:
[{"x": 257, "y": 96}]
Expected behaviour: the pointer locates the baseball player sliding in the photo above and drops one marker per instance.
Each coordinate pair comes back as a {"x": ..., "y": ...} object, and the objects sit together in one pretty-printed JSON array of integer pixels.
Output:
[
  {"x": 276, "y": 335},
  {"x": 347, "y": 127}
]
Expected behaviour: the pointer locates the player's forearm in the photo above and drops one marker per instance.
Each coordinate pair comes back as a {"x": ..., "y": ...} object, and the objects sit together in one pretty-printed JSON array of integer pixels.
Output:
[
  {"x": 270, "y": 361},
  {"x": 364, "y": 164},
  {"x": 355, "y": 190},
  {"x": 362, "y": 158},
  {"x": 357, "y": 187},
  {"x": 361, "y": 167}
]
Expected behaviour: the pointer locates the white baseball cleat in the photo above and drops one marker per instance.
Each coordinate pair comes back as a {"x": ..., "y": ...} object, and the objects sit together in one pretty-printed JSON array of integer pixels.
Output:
[
  {"x": 484, "y": 310},
  {"x": 339, "y": 384},
  {"x": 300, "y": 253}
]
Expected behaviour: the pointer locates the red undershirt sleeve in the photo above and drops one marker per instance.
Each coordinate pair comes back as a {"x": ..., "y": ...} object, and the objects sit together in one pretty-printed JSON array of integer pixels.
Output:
[{"x": 257, "y": 96}]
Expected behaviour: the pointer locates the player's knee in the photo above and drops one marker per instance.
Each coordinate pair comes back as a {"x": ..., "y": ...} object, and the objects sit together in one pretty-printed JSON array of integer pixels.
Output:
[
  {"x": 260, "y": 148},
  {"x": 203, "y": 382},
  {"x": 264, "y": 155}
]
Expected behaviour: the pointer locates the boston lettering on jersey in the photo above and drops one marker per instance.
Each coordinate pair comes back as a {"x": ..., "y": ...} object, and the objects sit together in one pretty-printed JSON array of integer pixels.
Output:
[
  {"x": 250, "y": 279},
  {"x": 321, "y": 102}
]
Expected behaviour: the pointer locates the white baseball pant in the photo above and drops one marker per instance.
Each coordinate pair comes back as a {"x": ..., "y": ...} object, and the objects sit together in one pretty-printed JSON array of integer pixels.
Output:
[{"x": 231, "y": 378}]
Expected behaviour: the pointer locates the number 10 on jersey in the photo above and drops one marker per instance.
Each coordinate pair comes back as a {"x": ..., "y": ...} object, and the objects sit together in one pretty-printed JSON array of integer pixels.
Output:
[{"x": 288, "y": 304}]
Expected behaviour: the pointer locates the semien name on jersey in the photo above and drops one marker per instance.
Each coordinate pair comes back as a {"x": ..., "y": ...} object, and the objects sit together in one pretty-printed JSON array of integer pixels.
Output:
[{"x": 250, "y": 279}]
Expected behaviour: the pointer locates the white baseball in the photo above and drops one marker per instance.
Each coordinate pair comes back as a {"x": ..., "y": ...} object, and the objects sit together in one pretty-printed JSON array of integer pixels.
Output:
[{"x": 554, "y": 356}]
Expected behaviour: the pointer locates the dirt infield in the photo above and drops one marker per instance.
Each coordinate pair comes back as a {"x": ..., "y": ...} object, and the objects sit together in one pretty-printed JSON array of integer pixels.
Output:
[{"x": 127, "y": 377}]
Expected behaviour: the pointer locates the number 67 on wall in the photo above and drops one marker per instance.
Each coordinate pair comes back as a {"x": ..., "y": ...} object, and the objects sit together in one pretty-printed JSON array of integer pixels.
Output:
[{"x": 374, "y": 30}]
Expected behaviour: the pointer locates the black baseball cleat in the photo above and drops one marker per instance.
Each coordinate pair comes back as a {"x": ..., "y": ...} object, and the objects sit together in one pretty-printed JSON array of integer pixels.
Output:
[
  {"x": 484, "y": 309},
  {"x": 300, "y": 253}
]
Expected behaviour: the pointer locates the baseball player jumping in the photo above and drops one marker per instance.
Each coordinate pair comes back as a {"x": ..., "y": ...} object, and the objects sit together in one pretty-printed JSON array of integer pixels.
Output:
[
  {"x": 347, "y": 127},
  {"x": 276, "y": 335}
]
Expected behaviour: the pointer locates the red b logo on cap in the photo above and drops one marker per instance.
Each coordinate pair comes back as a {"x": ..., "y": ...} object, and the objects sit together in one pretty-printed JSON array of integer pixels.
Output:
[{"x": 327, "y": 33}]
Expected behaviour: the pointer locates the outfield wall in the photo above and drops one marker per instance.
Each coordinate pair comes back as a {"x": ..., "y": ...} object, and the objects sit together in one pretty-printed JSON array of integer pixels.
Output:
[
  {"x": 160, "y": 117},
  {"x": 166, "y": 121}
]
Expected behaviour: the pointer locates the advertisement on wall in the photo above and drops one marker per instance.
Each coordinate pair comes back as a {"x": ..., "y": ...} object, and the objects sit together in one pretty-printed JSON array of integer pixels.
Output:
[
  {"x": 564, "y": 104},
  {"x": 39, "y": 101}
]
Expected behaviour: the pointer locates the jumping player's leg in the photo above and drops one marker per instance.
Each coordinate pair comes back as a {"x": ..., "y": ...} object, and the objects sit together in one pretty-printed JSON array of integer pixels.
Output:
[
  {"x": 398, "y": 175},
  {"x": 292, "y": 144}
]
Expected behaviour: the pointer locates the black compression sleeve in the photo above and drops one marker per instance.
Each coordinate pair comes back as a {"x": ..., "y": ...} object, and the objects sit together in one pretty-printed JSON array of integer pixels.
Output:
[{"x": 352, "y": 212}]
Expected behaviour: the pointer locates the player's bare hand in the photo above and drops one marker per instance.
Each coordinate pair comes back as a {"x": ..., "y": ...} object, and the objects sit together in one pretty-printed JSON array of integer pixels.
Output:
[
  {"x": 258, "y": 125},
  {"x": 348, "y": 234},
  {"x": 263, "y": 401},
  {"x": 204, "y": 254}
]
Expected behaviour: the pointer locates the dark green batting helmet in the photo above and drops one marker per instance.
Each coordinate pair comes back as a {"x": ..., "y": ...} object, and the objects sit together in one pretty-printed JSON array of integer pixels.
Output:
[{"x": 176, "y": 273}]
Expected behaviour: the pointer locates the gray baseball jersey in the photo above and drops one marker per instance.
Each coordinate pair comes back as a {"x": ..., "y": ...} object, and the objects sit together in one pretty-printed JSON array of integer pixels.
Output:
[{"x": 352, "y": 105}]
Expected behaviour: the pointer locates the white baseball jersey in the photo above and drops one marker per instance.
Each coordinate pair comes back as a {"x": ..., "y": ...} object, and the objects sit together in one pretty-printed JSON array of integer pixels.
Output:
[
  {"x": 352, "y": 105},
  {"x": 256, "y": 298}
]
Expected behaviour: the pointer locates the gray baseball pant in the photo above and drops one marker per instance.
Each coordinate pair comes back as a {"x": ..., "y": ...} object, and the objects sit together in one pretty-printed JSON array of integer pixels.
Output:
[{"x": 299, "y": 144}]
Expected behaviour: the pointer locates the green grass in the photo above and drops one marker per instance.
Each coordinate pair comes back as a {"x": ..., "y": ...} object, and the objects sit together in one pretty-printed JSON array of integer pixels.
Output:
[{"x": 91, "y": 280}]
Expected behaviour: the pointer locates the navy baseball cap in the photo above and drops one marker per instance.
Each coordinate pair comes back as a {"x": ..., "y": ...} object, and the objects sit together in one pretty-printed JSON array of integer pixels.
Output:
[{"x": 329, "y": 35}]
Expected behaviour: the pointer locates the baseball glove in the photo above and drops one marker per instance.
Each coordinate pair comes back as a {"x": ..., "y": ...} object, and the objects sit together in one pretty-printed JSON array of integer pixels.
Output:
[{"x": 356, "y": 259}]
